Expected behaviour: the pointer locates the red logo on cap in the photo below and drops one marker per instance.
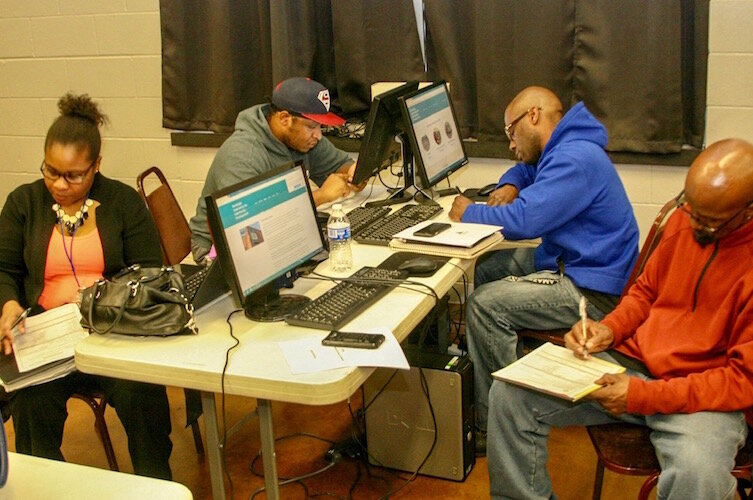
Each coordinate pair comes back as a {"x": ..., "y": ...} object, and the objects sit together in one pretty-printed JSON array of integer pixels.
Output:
[{"x": 324, "y": 98}]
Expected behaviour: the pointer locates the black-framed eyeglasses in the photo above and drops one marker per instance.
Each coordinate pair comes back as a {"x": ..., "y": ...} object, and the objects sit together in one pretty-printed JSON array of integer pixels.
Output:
[
  {"x": 509, "y": 130},
  {"x": 51, "y": 174},
  {"x": 702, "y": 222}
]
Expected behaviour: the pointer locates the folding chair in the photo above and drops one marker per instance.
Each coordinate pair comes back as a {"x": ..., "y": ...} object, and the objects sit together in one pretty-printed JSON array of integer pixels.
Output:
[{"x": 175, "y": 241}]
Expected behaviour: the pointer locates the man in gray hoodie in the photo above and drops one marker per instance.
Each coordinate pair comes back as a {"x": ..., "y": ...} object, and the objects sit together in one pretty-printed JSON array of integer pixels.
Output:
[{"x": 269, "y": 135}]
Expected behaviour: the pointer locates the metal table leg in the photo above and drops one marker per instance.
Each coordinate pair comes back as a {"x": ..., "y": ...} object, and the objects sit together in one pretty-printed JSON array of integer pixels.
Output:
[
  {"x": 266, "y": 424},
  {"x": 213, "y": 445}
]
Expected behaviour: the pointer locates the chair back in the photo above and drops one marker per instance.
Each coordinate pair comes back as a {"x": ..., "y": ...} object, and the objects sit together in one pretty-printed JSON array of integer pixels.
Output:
[
  {"x": 652, "y": 240},
  {"x": 174, "y": 233}
]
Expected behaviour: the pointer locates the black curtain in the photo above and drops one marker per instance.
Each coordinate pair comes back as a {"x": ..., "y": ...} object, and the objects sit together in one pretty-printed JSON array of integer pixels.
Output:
[
  {"x": 375, "y": 41},
  {"x": 639, "y": 65},
  {"x": 215, "y": 61},
  {"x": 302, "y": 41}
]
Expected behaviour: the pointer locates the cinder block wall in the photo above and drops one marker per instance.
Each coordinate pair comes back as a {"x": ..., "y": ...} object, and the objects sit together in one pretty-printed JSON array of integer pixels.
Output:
[{"x": 111, "y": 50}]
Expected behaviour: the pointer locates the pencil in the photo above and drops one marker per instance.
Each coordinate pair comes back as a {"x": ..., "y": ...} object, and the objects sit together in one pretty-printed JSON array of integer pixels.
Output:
[{"x": 583, "y": 318}]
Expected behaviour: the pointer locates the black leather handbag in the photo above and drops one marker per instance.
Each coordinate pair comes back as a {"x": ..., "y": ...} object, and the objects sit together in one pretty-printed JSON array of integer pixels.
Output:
[{"x": 139, "y": 300}]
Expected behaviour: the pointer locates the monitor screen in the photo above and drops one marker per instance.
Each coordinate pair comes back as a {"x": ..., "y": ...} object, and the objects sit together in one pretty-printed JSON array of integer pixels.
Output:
[
  {"x": 385, "y": 121},
  {"x": 263, "y": 228},
  {"x": 433, "y": 133}
]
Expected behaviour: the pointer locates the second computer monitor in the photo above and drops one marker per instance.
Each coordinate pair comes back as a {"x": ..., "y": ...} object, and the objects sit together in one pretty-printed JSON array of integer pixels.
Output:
[
  {"x": 383, "y": 124},
  {"x": 263, "y": 228},
  {"x": 433, "y": 133}
]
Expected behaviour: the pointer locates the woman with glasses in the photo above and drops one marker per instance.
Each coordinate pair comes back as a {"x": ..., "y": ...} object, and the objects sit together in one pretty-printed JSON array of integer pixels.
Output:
[{"x": 58, "y": 235}]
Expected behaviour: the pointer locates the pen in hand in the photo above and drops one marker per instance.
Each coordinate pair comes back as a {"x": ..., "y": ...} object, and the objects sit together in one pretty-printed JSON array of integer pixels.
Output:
[
  {"x": 583, "y": 318},
  {"x": 20, "y": 318}
]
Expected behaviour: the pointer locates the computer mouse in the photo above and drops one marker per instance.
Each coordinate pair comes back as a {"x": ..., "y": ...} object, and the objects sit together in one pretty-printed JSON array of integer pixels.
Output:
[
  {"x": 487, "y": 190},
  {"x": 419, "y": 266}
]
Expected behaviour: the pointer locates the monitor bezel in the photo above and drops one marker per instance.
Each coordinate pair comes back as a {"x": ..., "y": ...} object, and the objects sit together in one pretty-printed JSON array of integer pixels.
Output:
[
  {"x": 418, "y": 160},
  {"x": 221, "y": 243},
  {"x": 375, "y": 146}
]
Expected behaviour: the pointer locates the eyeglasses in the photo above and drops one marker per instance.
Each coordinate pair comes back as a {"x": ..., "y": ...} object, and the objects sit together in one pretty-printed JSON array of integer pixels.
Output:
[
  {"x": 51, "y": 174},
  {"x": 704, "y": 223},
  {"x": 509, "y": 130}
]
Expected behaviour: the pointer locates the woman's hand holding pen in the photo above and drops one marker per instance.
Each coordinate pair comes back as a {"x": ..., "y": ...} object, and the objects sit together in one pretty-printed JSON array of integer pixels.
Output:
[
  {"x": 596, "y": 338},
  {"x": 12, "y": 311}
]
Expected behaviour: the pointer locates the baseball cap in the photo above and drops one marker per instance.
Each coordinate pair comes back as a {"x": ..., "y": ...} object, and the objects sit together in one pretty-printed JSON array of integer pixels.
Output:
[{"x": 307, "y": 98}]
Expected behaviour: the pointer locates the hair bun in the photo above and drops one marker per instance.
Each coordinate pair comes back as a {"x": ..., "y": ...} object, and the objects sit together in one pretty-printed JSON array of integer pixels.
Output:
[{"x": 81, "y": 106}]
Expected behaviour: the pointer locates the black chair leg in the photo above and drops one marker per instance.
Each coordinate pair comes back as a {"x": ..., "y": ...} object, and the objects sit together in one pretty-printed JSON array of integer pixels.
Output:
[
  {"x": 742, "y": 488},
  {"x": 598, "y": 479},
  {"x": 197, "y": 439}
]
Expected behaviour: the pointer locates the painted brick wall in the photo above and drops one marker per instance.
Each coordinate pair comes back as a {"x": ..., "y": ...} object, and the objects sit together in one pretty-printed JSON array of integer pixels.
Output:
[{"x": 111, "y": 50}]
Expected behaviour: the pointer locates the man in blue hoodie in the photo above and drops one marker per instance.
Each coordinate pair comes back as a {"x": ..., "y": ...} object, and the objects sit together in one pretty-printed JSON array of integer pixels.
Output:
[
  {"x": 269, "y": 135},
  {"x": 566, "y": 191}
]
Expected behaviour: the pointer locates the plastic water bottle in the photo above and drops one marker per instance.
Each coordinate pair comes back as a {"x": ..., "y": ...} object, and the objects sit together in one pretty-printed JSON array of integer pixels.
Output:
[{"x": 338, "y": 233}]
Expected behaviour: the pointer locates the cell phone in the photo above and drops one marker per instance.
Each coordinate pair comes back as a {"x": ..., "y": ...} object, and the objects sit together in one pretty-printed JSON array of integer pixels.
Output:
[
  {"x": 433, "y": 229},
  {"x": 353, "y": 339}
]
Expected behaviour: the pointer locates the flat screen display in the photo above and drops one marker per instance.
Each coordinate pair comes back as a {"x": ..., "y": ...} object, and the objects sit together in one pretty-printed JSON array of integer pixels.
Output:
[
  {"x": 383, "y": 124},
  {"x": 265, "y": 227},
  {"x": 434, "y": 133}
]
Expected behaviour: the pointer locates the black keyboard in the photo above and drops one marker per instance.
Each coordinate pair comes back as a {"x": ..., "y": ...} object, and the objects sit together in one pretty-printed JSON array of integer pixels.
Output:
[
  {"x": 347, "y": 299},
  {"x": 382, "y": 230},
  {"x": 361, "y": 217},
  {"x": 194, "y": 281}
]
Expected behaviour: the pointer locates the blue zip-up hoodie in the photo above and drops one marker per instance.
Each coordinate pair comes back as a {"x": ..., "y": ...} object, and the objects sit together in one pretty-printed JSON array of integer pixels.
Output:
[{"x": 574, "y": 200}]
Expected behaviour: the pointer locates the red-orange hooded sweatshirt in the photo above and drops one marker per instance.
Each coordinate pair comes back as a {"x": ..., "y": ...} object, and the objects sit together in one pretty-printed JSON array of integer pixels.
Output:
[{"x": 689, "y": 319}]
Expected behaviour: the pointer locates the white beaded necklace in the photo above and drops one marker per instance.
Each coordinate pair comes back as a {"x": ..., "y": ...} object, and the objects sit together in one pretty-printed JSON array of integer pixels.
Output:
[{"x": 72, "y": 222}]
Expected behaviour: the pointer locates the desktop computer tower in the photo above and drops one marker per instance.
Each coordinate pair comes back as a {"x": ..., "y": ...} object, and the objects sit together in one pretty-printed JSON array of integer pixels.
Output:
[{"x": 399, "y": 425}]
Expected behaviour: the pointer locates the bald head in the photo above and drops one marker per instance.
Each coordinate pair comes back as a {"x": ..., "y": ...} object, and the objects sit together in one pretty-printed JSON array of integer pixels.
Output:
[
  {"x": 722, "y": 176},
  {"x": 530, "y": 120},
  {"x": 539, "y": 97}
]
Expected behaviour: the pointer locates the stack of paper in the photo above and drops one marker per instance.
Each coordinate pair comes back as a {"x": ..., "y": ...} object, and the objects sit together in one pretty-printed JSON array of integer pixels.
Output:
[{"x": 44, "y": 351}]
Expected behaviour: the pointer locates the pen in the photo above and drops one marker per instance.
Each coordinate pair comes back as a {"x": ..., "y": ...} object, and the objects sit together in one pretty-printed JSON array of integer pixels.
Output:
[
  {"x": 20, "y": 318},
  {"x": 583, "y": 317}
]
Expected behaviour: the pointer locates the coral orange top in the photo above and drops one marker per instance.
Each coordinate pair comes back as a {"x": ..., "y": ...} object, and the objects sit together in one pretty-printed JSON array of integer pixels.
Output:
[{"x": 60, "y": 285}]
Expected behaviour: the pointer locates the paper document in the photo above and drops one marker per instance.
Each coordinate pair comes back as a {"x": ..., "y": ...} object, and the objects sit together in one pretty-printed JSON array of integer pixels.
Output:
[
  {"x": 555, "y": 370},
  {"x": 372, "y": 191},
  {"x": 50, "y": 336},
  {"x": 460, "y": 234},
  {"x": 309, "y": 355}
]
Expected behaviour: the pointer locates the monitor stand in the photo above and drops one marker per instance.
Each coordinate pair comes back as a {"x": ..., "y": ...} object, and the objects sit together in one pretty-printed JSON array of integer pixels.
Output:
[
  {"x": 403, "y": 195},
  {"x": 266, "y": 305}
]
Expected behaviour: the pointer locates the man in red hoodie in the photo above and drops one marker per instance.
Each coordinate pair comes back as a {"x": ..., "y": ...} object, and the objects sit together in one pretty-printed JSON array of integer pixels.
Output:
[{"x": 685, "y": 333}]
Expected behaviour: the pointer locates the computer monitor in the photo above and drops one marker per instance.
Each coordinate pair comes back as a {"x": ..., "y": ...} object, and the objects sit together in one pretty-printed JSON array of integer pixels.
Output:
[
  {"x": 433, "y": 132},
  {"x": 263, "y": 228},
  {"x": 384, "y": 124}
]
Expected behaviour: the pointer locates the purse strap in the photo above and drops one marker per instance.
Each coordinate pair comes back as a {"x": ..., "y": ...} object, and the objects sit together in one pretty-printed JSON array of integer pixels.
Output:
[{"x": 134, "y": 287}]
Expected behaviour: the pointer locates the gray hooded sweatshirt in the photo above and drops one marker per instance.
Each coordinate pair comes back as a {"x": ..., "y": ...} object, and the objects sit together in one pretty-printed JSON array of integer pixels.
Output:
[{"x": 251, "y": 150}]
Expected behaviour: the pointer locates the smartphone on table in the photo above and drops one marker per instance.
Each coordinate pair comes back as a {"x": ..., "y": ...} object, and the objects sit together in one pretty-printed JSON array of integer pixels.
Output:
[
  {"x": 353, "y": 339},
  {"x": 433, "y": 229}
]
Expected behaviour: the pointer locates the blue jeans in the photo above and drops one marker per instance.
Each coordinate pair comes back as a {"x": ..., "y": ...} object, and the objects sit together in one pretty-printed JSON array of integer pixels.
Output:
[
  {"x": 696, "y": 451},
  {"x": 499, "y": 307}
]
